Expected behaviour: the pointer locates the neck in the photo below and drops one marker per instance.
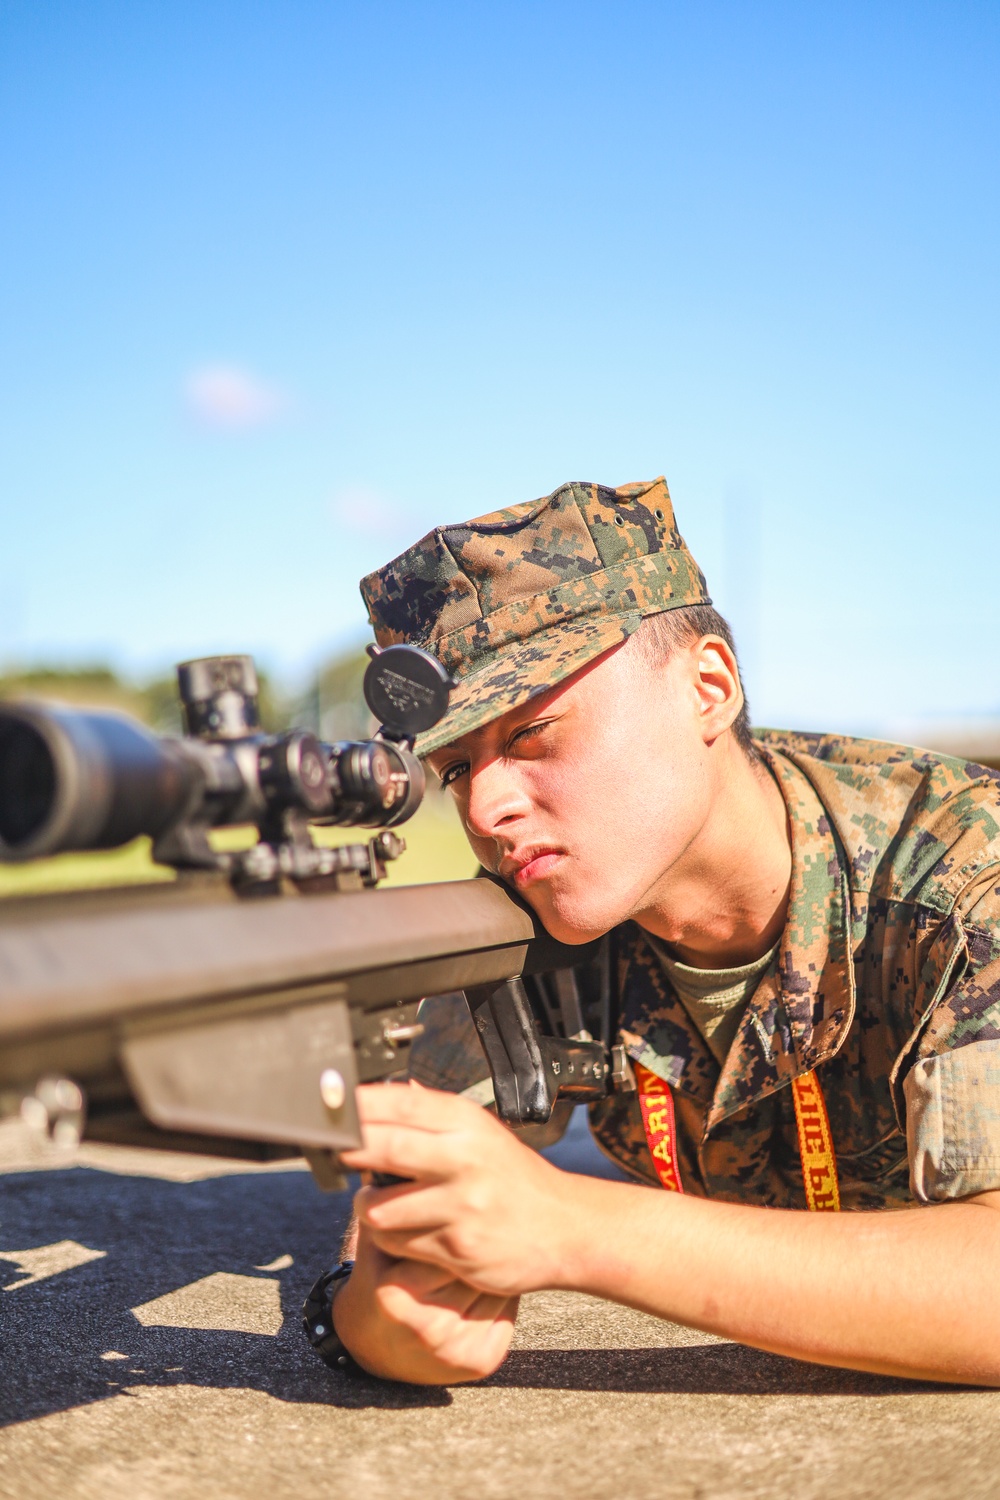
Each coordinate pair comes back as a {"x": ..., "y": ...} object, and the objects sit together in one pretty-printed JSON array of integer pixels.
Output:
[{"x": 723, "y": 902}]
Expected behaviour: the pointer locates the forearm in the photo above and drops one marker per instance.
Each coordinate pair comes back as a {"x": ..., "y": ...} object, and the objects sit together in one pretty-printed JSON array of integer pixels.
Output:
[{"x": 905, "y": 1293}]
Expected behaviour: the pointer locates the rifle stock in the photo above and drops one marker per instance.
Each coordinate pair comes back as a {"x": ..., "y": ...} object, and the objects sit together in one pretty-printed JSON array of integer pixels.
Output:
[{"x": 190, "y": 1017}]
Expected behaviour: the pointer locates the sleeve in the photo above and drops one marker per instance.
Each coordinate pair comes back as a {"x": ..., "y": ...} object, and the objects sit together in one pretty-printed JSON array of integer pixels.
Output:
[{"x": 952, "y": 1092}]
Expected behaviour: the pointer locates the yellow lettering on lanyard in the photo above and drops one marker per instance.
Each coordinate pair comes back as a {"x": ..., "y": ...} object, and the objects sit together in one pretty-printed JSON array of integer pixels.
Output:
[
  {"x": 658, "y": 1121},
  {"x": 819, "y": 1160}
]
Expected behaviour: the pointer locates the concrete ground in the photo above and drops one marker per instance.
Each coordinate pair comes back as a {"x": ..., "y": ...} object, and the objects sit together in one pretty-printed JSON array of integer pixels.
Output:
[{"x": 151, "y": 1348}]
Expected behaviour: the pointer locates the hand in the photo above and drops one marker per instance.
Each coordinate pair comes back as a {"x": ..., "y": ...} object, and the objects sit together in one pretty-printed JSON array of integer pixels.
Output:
[
  {"x": 406, "y": 1320},
  {"x": 479, "y": 1205}
]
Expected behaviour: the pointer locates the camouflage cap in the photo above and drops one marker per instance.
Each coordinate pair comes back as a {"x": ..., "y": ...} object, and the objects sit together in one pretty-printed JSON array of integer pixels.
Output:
[{"x": 513, "y": 602}]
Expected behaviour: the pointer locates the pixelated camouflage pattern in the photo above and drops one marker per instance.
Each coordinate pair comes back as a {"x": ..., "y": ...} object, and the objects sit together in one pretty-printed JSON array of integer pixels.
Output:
[
  {"x": 963, "y": 1085},
  {"x": 516, "y": 601},
  {"x": 448, "y": 1055},
  {"x": 890, "y": 956}
]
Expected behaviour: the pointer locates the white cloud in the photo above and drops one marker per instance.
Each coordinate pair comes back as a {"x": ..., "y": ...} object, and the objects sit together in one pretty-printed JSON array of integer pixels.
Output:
[
  {"x": 230, "y": 398},
  {"x": 361, "y": 509}
]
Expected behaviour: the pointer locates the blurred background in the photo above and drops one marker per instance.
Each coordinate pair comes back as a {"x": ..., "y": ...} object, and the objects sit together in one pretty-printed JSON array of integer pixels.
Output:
[{"x": 285, "y": 285}]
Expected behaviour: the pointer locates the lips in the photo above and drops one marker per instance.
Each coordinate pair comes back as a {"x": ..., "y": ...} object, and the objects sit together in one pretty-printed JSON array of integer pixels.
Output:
[{"x": 532, "y": 865}]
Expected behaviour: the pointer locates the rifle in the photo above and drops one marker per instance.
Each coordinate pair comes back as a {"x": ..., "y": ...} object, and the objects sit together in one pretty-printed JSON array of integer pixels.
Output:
[{"x": 235, "y": 1009}]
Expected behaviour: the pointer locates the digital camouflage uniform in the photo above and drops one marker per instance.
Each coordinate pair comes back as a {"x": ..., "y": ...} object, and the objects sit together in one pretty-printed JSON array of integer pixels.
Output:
[{"x": 887, "y": 982}]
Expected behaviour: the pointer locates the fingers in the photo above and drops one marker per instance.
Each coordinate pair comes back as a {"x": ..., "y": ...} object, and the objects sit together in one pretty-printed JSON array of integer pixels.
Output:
[
  {"x": 435, "y": 1319},
  {"x": 403, "y": 1151},
  {"x": 419, "y": 1278},
  {"x": 455, "y": 1249},
  {"x": 417, "y": 1132},
  {"x": 409, "y": 1281},
  {"x": 477, "y": 1347},
  {"x": 417, "y": 1245},
  {"x": 421, "y": 1108},
  {"x": 404, "y": 1208},
  {"x": 420, "y": 1243},
  {"x": 415, "y": 1281},
  {"x": 466, "y": 1332},
  {"x": 431, "y": 1302}
]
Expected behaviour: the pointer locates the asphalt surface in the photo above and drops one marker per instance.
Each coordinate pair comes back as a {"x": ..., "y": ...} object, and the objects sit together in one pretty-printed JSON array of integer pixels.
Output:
[{"x": 151, "y": 1348}]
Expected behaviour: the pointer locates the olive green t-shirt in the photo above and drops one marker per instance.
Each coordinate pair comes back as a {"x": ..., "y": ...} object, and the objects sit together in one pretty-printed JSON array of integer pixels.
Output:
[{"x": 715, "y": 999}]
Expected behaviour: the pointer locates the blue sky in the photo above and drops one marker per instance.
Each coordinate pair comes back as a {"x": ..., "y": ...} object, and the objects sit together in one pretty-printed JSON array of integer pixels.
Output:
[{"x": 287, "y": 283}]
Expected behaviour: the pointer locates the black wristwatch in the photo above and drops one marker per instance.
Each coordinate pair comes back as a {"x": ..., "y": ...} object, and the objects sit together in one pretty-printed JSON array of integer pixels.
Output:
[{"x": 317, "y": 1321}]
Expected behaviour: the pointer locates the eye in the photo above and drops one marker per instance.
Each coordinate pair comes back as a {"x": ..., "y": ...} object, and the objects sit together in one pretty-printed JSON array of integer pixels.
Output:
[
  {"x": 529, "y": 732},
  {"x": 450, "y": 774}
]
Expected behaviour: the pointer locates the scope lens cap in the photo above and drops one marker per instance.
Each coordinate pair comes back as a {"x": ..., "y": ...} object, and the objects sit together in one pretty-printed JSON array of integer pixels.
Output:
[{"x": 407, "y": 690}]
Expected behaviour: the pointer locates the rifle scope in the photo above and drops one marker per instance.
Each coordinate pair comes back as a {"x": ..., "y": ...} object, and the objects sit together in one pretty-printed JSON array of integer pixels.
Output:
[{"x": 83, "y": 780}]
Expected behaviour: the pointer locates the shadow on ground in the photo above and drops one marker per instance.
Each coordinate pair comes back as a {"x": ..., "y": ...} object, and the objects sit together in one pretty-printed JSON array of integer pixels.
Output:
[
  {"x": 160, "y": 1235},
  {"x": 157, "y": 1236},
  {"x": 703, "y": 1370}
]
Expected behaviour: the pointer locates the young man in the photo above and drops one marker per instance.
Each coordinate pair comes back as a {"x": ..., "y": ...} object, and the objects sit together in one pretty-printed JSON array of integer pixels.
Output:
[{"x": 808, "y": 940}]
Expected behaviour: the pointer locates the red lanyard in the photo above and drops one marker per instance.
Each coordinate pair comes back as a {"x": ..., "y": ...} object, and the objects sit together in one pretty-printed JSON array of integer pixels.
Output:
[
  {"x": 657, "y": 1105},
  {"x": 819, "y": 1160}
]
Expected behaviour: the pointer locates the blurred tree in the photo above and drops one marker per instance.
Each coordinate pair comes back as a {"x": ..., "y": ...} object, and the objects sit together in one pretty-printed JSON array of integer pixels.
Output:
[
  {"x": 91, "y": 686},
  {"x": 154, "y": 703},
  {"x": 334, "y": 706}
]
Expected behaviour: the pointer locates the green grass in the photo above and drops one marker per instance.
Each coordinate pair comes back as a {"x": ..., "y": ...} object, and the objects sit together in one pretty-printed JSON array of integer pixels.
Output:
[{"x": 436, "y": 849}]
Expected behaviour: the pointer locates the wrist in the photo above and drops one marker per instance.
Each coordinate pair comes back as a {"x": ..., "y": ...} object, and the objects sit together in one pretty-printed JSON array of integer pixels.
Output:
[
  {"x": 351, "y": 1315},
  {"x": 582, "y": 1231},
  {"x": 604, "y": 1229}
]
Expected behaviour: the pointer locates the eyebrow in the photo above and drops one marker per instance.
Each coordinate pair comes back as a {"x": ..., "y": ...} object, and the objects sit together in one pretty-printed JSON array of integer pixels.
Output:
[
  {"x": 457, "y": 749},
  {"x": 535, "y": 709}
]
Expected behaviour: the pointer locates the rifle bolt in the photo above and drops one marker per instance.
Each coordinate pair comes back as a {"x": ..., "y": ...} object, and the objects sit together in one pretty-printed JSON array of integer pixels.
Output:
[
  {"x": 332, "y": 1089},
  {"x": 393, "y": 1034}
]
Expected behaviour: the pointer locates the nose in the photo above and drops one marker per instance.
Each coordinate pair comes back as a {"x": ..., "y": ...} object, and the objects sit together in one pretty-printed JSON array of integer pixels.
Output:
[{"x": 496, "y": 799}]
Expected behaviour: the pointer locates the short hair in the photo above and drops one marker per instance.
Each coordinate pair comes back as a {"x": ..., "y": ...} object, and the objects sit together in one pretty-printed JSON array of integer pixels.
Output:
[{"x": 660, "y": 635}]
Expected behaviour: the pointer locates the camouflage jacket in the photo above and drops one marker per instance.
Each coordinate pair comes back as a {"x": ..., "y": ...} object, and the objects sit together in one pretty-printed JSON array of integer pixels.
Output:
[{"x": 887, "y": 984}]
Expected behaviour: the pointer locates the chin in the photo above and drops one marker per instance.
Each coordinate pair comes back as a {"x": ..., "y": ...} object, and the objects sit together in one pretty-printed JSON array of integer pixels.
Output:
[{"x": 566, "y": 920}]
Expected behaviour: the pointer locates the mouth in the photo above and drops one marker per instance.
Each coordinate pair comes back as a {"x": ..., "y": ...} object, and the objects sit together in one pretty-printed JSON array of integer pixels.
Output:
[{"x": 531, "y": 866}]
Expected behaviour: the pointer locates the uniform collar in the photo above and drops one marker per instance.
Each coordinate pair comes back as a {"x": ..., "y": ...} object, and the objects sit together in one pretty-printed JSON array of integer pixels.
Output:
[{"x": 800, "y": 1012}]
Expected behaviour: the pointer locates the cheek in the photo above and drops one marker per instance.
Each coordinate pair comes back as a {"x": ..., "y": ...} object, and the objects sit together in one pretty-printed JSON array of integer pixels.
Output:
[{"x": 629, "y": 820}]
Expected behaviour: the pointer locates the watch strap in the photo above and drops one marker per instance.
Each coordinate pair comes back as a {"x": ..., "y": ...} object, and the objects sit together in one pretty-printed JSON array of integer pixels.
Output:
[{"x": 317, "y": 1321}]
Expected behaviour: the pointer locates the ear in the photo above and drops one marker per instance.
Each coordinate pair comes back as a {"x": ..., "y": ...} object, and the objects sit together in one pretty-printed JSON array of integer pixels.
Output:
[{"x": 717, "y": 684}]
